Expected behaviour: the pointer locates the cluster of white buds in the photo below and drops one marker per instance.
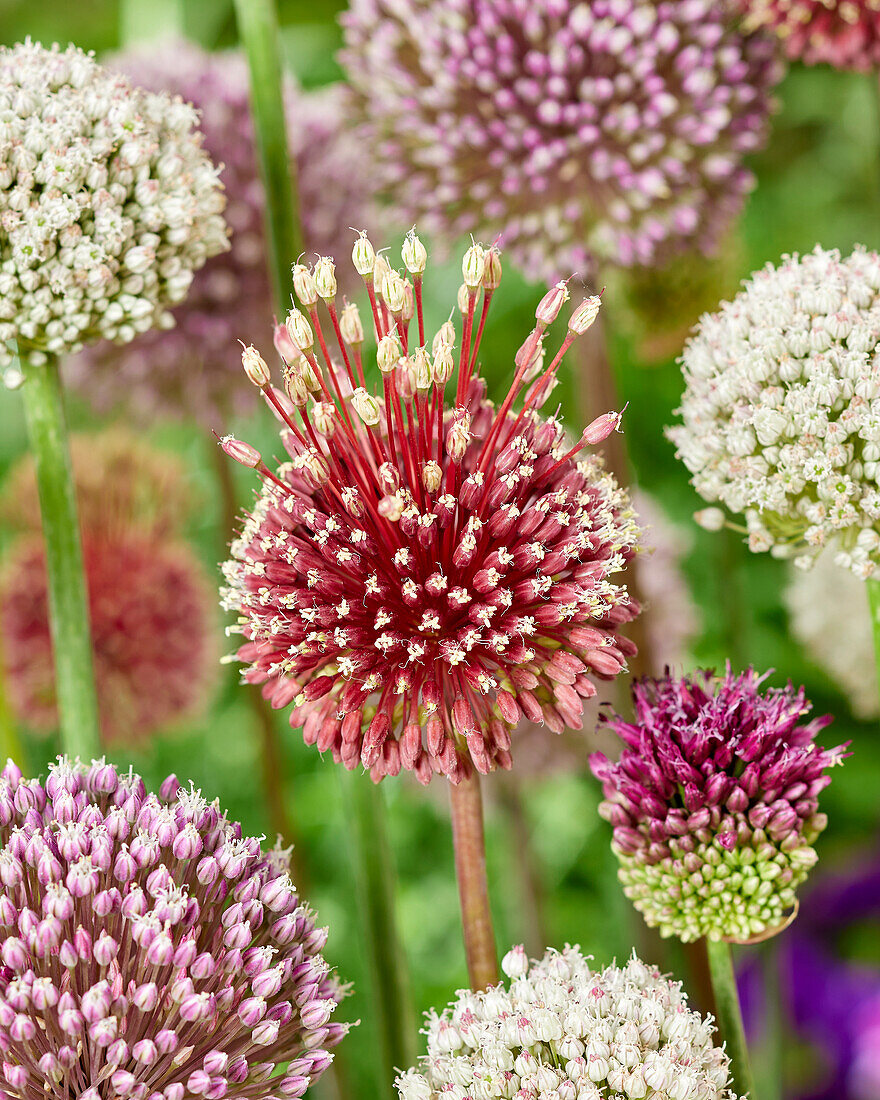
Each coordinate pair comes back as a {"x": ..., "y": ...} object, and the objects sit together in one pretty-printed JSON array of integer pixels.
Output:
[
  {"x": 781, "y": 410},
  {"x": 562, "y": 1031},
  {"x": 108, "y": 203}
]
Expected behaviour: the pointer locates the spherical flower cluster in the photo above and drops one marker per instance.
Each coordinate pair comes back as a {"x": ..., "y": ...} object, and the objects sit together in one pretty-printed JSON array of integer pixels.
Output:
[
  {"x": 194, "y": 369},
  {"x": 150, "y": 602},
  {"x": 577, "y": 133},
  {"x": 781, "y": 409},
  {"x": 564, "y": 1030},
  {"x": 829, "y": 617},
  {"x": 714, "y": 803},
  {"x": 150, "y": 950},
  {"x": 426, "y": 570},
  {"x": 108, "y": 203},
  {"x": 844, "y": 33}
]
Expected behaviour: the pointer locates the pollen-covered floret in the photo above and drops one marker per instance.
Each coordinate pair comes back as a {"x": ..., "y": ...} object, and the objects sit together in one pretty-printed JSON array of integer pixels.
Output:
[
  {"x": 781, "y": 409},
  {"x": 426, "y": 570},
  {"x": 562, "y": 1029},
  {"x": 108, "y": 203}
]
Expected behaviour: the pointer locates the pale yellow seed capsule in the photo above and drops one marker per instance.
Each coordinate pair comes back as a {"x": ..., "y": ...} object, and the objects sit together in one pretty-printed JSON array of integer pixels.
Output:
[
  {"x": 304, "y": 285},
  {"x": 388, "y": 352},
  {"x": 325, "y": 278},
  {"x": 300, "y": 331},
  {"x": 363, "y": 256},
  {"x": 414, "y": 254},
  {"x": 394, "y": 291},
  {"x": 365, "y": 406},
  {"x": 432, "y": 475},
  {"x": 255, "y": 366},
  {"x": 472, "y": 266},
  {"x": 422, "y": 369},
  {"x": 443, "y": 366},
  {"x": 350, "y": 324}
]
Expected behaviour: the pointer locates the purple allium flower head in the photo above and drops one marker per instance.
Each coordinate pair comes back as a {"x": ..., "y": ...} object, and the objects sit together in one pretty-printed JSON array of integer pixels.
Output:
[
  {"x": 426, "y": 570},
  {"x": 844, "y": 33},
  {"x": 714, "y": 803},
  {"x": 150, "y": 950},
  {"x": 194, "y": 369},
  {"x": 610, "y": 132}
]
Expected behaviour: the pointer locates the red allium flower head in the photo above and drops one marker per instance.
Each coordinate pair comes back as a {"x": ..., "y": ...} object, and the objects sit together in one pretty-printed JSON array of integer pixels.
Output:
[
  {"x": 426, "y": 569},
  {"x": 150, "y": 951},
  {"x": 192, "y": 368},
  {"x": 714, "y": 803},
  {"x": 608, "y": 132},
  {"x": 150, "y": 602},
  {"x": 843, "y": 33}
]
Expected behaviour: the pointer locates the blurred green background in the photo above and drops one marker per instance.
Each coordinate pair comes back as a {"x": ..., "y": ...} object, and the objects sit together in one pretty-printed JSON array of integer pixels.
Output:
[{"x": 818, "y": 181}]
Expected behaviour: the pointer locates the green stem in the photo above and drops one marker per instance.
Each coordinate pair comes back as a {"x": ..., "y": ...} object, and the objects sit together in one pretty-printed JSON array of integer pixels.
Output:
[
  {"x": 258, "y": 30},
  {"x": 375, "y": 878},
  {"x": 873, "y": 586},
  {"x": 730, "y": 1016},
  {"x": 68, "y": 605}
]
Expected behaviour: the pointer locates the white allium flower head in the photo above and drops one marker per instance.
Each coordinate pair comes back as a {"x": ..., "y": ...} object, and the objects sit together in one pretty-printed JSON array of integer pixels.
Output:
[
  {"x": 108, "y": 203},
  {"x": 781, "y": 409},
  {"x": 829, "y": 617},
  {"x": 563, "y": 1030}
]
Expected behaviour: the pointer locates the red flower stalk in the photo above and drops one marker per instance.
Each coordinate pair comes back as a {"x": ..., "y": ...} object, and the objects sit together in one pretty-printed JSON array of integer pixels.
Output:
[{"x": 425, "y": 572}]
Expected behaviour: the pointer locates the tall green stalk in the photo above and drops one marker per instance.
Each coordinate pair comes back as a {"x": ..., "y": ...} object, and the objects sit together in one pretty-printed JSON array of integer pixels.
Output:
[
  {"x": 374, "y": 879},
  {"x": 873, "y": 586},
  {"x": 730, "y": 1016},
  {"x": 68, "y": 605},
  {"x": 258, "y": 30}
]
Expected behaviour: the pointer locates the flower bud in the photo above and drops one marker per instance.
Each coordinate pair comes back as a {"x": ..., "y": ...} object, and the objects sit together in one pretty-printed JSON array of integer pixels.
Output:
[
  {"x": 300, "y": 331},
  {"x": 457, "y": 439},
  {"x": 445, "y": 335},
  {"x": 304, "y": 285},
  {"x": 463, "y": 299},
  {"x": 381, "y": 270},
  {"x": 472, "y": 266},
  {"x": 552, "y": 302},
  {"x": 389, "y": 477},
  {"x": 365, "y": 406},
  {"x": 323, "y": 416},
  {"x": 414, "y": 254},
  {"x": 325, "y": 278},
  {"x": 255, "y": 366},
  {"x": 584, "y": 315},
  {"x": 443, "y": 365},
  {"x": 421, "y": 369},
  {"x": 363, "y": 256},
  {"x": 394, "y": 291},
  {"x": 710, "y": 519},
  {"x": 350, "y": 324},
  {"x": 409, "y": 301},
  {"x": 242, "y": 452},
  {"x": 432, "y": 475},
  {"x": 295, "y": 387},
  {"x": 601, "y": 428},
  {"x": 388, "y": 352},
  {"x": 492, "y": 269}
]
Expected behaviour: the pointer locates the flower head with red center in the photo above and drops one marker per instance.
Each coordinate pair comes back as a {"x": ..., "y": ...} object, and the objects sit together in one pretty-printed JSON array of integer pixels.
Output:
[
  {"x": 426, "y": 569},
  {"x": 714, "y": 803},
  {"x": 843, "y": 33},
  {"x": 149, "y": 949}
]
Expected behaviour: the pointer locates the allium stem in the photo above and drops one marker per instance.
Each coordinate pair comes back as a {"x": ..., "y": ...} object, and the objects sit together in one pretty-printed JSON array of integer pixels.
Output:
[
  {"x": 873, "y": 586},
  {"x": 730, "y": 1016},
  {"x": 68, "y": 606},
  {"x": 258, "y": 30},
  {"x": 470, "y": 868},
  {"x": 375, "y": 882}
]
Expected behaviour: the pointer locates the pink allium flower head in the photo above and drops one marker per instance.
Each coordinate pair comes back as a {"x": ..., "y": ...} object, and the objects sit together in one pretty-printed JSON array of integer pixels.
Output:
[
  {"x": 193, "y": 369},
  {"x": 151, "y": 607},
  {"x": 714, "y": 803},
  {"x": 150, "y": 950},
  {"x": 426, "y": 570},
  {"x": 844, "y": 33},
  {"x": 609, "y": 132}
]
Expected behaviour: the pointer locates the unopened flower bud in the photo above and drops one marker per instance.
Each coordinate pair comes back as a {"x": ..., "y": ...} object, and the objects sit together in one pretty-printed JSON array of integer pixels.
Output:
[
  {"x": 472, "y": 266},
  {"x": 300, "y": 331},
  {"x": 414, "y": 254},
  {"x": 365, "y": 406},
  {"x": 309, "y": 375},
  {"x": 255, "y": 366},
  {"x": 284, "y": 345},
  {"x": 242, "y": 452},
  {"x": 295, "y": 387},
  {"x": 585, "y": 314},
  {"x": 388, "y": 352},
  {"x": 457, "y": 439},
  {"x": 381, "y": 270},
  {"x": 421, "y": 369},
  {"x": 492, "y": 269},
  {"x": 323, "y": 416},
  {"x": 394, "y": 291},
  {"x": 443, "y": 365},
  {"x": 389, "y": 477},
  {"x": 350, "y": 324},
  {"x": 406, "y": 378},
  {"x": 445, "y": 335},
  {"x": 552, "y": 302},
  {"x": 409, "y": 301},
  {"x": 363, "y": 256},
  {"x": 601, "y": 428},
  {"x": 304, "y": 285},
  {"x": 391, "y": 507},
  {"x": 710, "y": 519},
  {"x": 463, "y": 299},
  {"x": 325, "y": 278},
  {"x": 315, "y": 465},
  {"x": 432, "y": 475}
]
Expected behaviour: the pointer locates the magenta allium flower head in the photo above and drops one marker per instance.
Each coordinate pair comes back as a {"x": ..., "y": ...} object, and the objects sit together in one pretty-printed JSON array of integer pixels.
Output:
[
  {"x": 714, "y": 803},
  {"x": 844, "y": 33},
  {"x": 609, "y": 132},
  {"x": 193, "y": 369},
  {"x": 149, "y": 949},
  {"x": 426, "y": 570}
]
